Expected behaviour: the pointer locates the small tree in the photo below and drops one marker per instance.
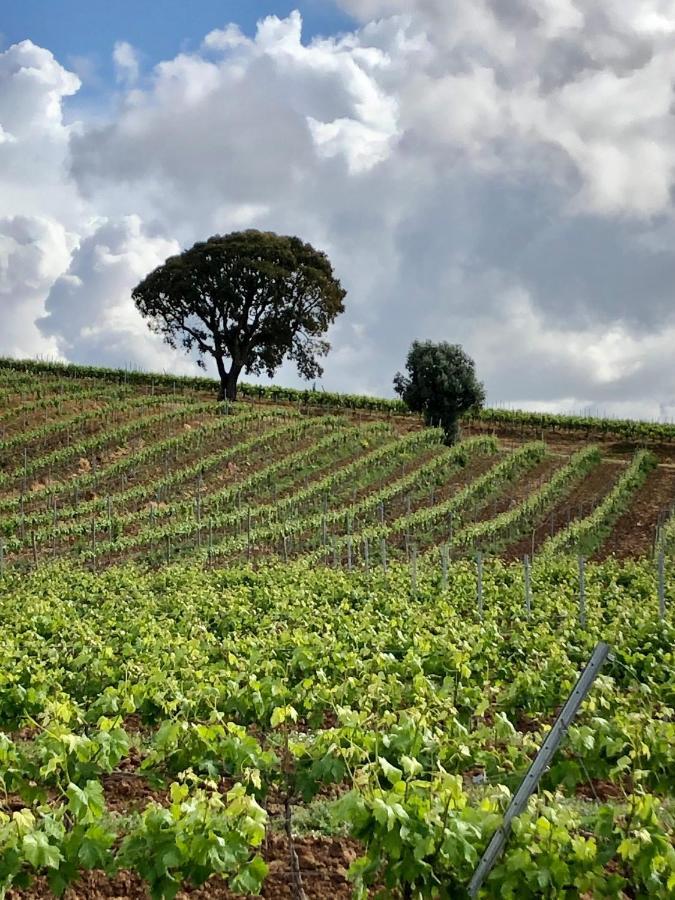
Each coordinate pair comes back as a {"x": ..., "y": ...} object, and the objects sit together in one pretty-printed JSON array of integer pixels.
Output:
[
  {"x": 249, "y": 299},
  {"x": 441, "y": 383}
]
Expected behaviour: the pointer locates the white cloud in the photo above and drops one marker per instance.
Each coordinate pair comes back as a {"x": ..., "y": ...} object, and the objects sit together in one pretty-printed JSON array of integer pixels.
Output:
[
  {"x": 39, "y": 210},
  {"x": 225, "y": 38},
  {"x": 127, "y": 65},
  {"x": 33, "y": 252},
  {"x": 89, "y": 311},
  {"x": 589, "y": 79},
  {"x": 34, "y": 137}
]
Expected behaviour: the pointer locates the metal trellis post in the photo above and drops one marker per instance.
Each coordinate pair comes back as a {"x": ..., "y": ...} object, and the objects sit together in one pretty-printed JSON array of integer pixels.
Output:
[{"x": 539, "y": 766}]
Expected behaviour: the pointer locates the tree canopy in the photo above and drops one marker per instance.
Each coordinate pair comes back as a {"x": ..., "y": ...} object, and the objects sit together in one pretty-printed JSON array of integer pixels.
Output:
[
  {"x": 249, "y": 299},
  {"x": 441, "y": 383}
]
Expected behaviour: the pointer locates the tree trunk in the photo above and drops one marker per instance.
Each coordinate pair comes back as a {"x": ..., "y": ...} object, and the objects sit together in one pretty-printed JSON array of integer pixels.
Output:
[
  {"x": 230, "y": 386},
  {"x": 228, "y": 380},
  {"x": 222, "y": 374}
]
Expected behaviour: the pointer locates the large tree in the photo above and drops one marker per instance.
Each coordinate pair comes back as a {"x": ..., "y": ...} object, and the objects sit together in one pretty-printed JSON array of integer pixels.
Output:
[
  {"x": 249, "y": 299},
  {"x": 441, "y": 383}
]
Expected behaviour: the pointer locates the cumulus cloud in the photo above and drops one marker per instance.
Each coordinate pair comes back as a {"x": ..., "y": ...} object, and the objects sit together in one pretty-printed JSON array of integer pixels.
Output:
[
  {"x": 65, "y": 273},
  {"x": 127, "y": 66},
  {"x": 39, "y": 210},
  {"x": 500, "y": 175},
  {"x": 33, "y": 253},
  {"x": 34, "y": 139},
  {"x": 89, "y": 311},
  {"x": 587, "y": 83}
]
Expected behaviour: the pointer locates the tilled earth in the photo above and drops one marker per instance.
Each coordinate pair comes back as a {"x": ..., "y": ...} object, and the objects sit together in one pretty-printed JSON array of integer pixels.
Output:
[
  {"x": 323, "y": 864},
  {"x": 634, "y": 532}
]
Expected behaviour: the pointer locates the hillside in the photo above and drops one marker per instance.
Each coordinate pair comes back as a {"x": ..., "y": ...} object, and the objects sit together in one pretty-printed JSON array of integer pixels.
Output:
[
  {"x": 105, "y": 468},
  {"x": 328, "y": 667}
]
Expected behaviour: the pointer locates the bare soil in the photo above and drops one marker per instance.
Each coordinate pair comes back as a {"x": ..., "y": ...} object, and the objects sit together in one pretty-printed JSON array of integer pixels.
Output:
[
  {"x": 323, "y": 866},
  {"x": 635, "y": 531},
  {"x": 579, "y": 503}
]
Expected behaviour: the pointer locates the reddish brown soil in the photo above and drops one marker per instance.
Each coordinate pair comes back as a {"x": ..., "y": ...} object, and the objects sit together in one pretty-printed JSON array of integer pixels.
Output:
[
  {"x": 634, "y": 533},
  {"x": 579, "y": 503},
  {"x": 602, "y": 790},
  {"x": 456, "y": 480},
  {"x": 528, "y": 724},
  {"x": 521, "y": 488},
  {"x": 128, "y": 790},
  {"x": 323, "y": 866}
]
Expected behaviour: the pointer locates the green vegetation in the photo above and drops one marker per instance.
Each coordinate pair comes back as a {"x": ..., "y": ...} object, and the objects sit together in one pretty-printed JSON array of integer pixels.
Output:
[
  {"x": 262, "y": 619},
  {"x": 239, "y": 687},
  {"x": 249, "y": 300},
  {"x": 441, "y": 383}
]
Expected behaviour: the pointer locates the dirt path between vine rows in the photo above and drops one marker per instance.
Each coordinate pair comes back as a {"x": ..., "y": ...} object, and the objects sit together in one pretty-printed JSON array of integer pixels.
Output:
[
  {"x": 634, "y": 532},
  {"x": 579, "y": 503},
  {"x": 323, "y": 864}
]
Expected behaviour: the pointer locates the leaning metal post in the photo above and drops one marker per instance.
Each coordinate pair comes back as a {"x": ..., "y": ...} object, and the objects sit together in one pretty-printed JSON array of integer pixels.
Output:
[{"x": 539, "y": 765}]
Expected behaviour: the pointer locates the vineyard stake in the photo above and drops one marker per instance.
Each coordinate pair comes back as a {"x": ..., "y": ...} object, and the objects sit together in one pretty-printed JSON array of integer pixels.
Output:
[
  {"x": 479, "y": 583},
  {"x": 413, "y": 571},
  {"x": 582, "y": 592},
  {"x": 93, "y": 540},
  {"x": 444, "y": 566},
  {"x": 539, "y": 765},
  {"x": 349, "y": 553},
  {"x": 383, "y": 555},
  {"x": 528, "y": 586},
  {"x": 662, "y": 585},
  {"x": 365, "y": 556}
]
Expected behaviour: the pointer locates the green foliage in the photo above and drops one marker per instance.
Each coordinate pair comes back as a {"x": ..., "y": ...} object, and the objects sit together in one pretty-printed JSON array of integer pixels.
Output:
[
  {"x": 274, "y": 393},
  {"x": 251, "y": 297},
  {"x": 592, "y": 426},
  {"x": 384, "y": 688},
  {"x": 58, "y": 841},
  {"x": 296, "y": 680},
  {"x": 441, "y": 384},
  {"x": 211, "y": 749},
  {"x": 513, "y": 523},
  {"x": 198, "y": 835}
]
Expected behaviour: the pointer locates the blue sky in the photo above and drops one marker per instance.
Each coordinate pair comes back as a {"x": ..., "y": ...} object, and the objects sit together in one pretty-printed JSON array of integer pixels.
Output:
[{"x": 82, "y": 33}]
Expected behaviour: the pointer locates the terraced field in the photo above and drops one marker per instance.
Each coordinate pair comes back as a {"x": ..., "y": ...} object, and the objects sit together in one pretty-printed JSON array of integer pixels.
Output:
[{"x": 326, "y": 665}]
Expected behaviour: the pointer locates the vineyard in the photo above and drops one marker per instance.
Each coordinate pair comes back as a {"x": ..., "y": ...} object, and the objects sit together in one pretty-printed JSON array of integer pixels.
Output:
[{"x": 296, "y": 645}]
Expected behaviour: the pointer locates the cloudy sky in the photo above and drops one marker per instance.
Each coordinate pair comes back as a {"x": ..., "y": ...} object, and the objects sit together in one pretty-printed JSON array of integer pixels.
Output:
[{"x": 495, "y": 173}]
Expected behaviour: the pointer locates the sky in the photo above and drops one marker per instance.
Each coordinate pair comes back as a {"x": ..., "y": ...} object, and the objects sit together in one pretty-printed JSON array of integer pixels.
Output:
[{"x": 499, "y": 175}]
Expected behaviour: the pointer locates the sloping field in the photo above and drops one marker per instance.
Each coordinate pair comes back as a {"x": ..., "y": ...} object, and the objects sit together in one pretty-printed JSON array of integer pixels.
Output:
[
  {"x": 104, "y": 472},
  {"x": 306, "y": 685}
]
